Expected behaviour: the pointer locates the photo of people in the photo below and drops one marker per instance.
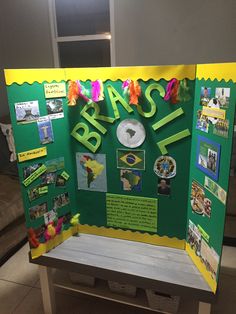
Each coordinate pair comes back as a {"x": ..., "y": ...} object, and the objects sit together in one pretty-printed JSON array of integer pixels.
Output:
[
  {"x": 27, "y": 171},
  {"x": 211, "y": 160},
  {"x": 221, "y": 128},
  {"x": 205, "y": 95},
  {"x": 207, "y": 207},
  {"x": 208, "y": 156},
  {"x": 163, "y": 186},
  {"x": 202, "y": 122},
  {"x": 49, "y": 178},
  {"x": 38, "y": 211},
  {"x": 61, "y": 200},
  {"x": 223, "y": 95},
  {"x": 194, "y": 238},
  {"x": 33, "y": 193}
]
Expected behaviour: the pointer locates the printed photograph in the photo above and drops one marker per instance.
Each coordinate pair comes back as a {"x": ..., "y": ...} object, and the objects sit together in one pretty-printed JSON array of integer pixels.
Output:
[
  {"x": 202, "y": 122},
  {"x": 48, "y": 178},
  {"x": 27, "y": 171},
  {"x": 205, "y": 96},
  {"x": 197, "y": 198},
  {"x": 221, "y": 128},
  {"x": 27, "y": 112},
  {"x": 210, "y": 258},
  {"x": 163, "y": 186},
  {"x": 50, "y": 216},
  {"x": 33, "y": 193},
  {"x": 194, "y": 238},
  {"x": 60, "y": 181},
  {"x": 208, "y": 157},
  {"x": 165, "y": 167},
  {"x": 223, "y": 95},
  {"x": 131, "y": 180},
  {"x": 38, "y": 211},
  {"x": 45, "y": 130},
  {"x": 61, "y": 200},
  {"x": 55, "y": 108},
  {"x": 55, "y": 164}
]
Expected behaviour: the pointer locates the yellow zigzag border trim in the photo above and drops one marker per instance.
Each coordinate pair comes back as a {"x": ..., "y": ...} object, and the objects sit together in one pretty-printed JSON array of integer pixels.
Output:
[
  {"x": 219, "y": 71},
  {"x": 201, "y": 267},
  {"x": 45, "y": 247},
  {"x": 145, "y": 73},
  {"x": 133, "y": 236}
]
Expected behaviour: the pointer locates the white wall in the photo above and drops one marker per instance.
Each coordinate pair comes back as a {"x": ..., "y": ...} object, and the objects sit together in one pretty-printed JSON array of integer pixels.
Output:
[
  {"x": 153, "y": 32},
  {"x": 25, "y": 39}
]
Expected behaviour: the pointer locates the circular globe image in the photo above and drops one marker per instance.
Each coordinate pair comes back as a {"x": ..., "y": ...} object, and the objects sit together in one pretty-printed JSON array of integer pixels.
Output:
[{"x": 131, "y": 133}]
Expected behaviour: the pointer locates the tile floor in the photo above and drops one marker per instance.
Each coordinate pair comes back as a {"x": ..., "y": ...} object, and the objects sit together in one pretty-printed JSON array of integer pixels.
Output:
[{"x": 20, "y": 291}]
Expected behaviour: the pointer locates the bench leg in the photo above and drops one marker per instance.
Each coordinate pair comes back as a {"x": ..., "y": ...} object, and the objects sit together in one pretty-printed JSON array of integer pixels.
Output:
[
  {"x": 47, "y": 290},
  {"x": 204, "y": 308}
]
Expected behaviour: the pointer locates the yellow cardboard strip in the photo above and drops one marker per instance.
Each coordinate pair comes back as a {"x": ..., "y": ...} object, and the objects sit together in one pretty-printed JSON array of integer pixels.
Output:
[
  {"x": 133, "y": 236},
  {"x": 32, "y": 154},
  {"x": 134, "y": 73},
  {"x": 219, "y": 71}
]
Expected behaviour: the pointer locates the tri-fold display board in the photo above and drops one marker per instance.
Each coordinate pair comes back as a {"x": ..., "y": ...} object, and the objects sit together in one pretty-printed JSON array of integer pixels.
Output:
[{"x": 137, "y": 153}]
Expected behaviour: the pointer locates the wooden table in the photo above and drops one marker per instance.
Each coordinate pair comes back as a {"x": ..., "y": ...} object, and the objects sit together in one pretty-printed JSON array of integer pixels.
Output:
[{"x": 145, "y": 266}]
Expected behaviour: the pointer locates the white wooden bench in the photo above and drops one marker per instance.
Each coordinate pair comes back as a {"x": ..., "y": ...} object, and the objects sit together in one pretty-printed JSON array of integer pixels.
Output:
[{"x": 163, "y": 269}]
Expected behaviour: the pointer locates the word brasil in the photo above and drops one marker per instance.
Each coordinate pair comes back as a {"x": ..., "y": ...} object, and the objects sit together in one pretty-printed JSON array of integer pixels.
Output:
[{"x": 92, "y": 140}]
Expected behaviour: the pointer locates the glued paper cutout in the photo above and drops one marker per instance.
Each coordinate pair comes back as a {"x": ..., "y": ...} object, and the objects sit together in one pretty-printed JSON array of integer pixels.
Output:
[
  {"x": 221, "y": 128},
  {"x": 194, "y": 238},
  {"x": 60, "y": 181},
  {"x": 55, "y": 90},
  {"x": 27, "y": 171},
  {"x": 214, "y": 113},
  {"x": 131, "y": 133},
  {"x": 55, "y": 164},
  {"x": 65, "y": 175},
  {"x": 205, "y": 95},
  {"x": 50, "y": 216},
  {"x": 38, "y": 211},
  {"x": 36, "y": 173},
  {"x": 91, "y": 172},
  {"x": 121, "y": 213},
  {"x": 165, "y": 167},
  {"x": 216, "y": 190},
  {"x": 131, "y": 159},
  {"x": 199, "y": 203},
  {"x": 163, "y": 186},
  {"x": 61, "y": 200},
  {"x": 55, "y": 108},
  {"x": 210, "y": 258},
  {"x": 45, "y": 130},
  {"x": 208, "y": 157},
  {"x": 43, "y": 190},
  {"x": 48, "y": 178},
  {"x": 27, "y": 112},
  {"x": 223, "y": 95},
  {"x": 32, "y": 154},
  {"x": 170, "y": 117},
  {"x": 131, "y": 180},
  {"x": 202, "y": 122}
]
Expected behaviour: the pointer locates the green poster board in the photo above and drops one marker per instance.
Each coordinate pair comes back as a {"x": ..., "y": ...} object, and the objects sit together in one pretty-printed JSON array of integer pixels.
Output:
[{"x": 122, "y": 162}]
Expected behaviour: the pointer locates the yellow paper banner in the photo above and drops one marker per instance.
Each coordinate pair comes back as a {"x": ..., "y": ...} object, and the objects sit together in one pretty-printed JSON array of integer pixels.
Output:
[
  {"x": 213, "y": 112},
  {"x": 32, "y": 154}
]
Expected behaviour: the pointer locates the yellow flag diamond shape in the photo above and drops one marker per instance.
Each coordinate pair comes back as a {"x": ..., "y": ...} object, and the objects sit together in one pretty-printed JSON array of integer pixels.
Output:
[{"x": 130, "y": 159}]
